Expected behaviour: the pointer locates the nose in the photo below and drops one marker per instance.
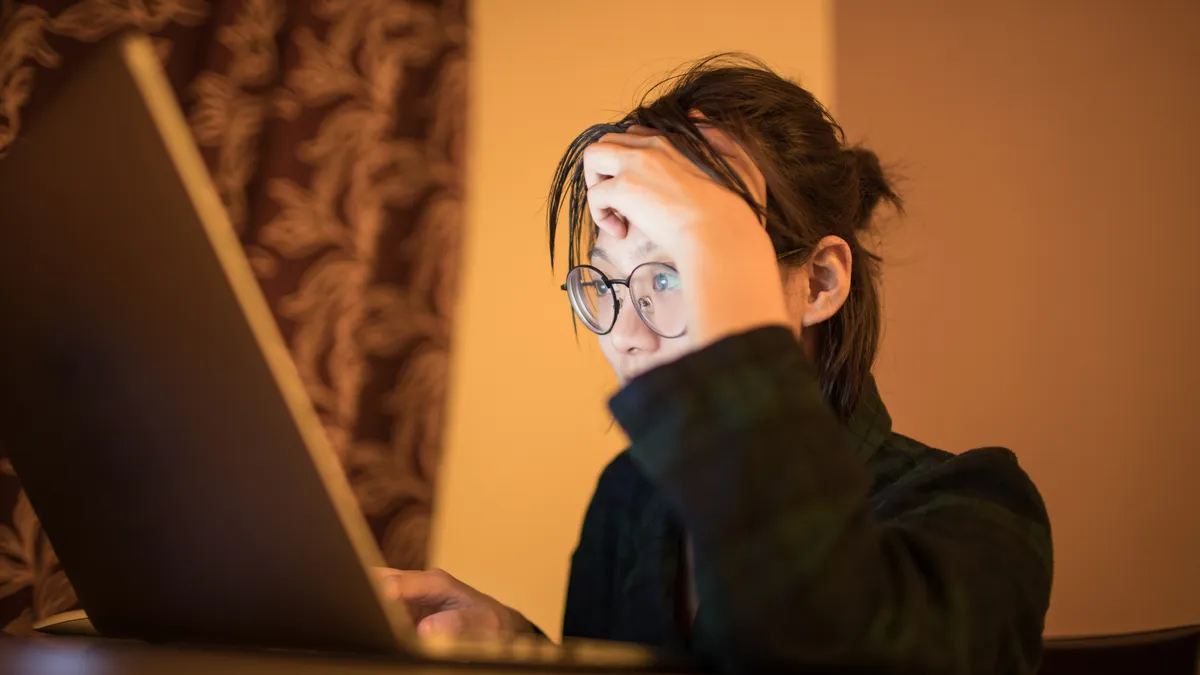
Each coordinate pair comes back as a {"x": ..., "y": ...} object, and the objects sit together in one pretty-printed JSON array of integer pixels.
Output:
[{"x": 630, "y": 334}]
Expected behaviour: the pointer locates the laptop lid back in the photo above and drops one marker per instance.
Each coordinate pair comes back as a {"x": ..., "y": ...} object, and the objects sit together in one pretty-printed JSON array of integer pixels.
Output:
[{"x": 147, "y": 399}]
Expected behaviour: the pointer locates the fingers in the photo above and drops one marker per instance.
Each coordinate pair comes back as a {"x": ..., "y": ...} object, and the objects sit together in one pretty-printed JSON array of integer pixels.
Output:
[
  {"x": 635, "y": 137},
  {"x": 639, "y": 130},
  {"x": 601, "y": 199},
  {"x": 608, "y": 158},
  {"x": 424, "y": 593},
  {"x": 464, "y": 623},
  {"x": 451, "y": 623},
  {"x": 736, "y": 155},
  {"x": 416, "y": 585},
  {"x": 613, "y": 153},
  {"x": 384, "y": 581},
  {"x": 604, "y": 159}
]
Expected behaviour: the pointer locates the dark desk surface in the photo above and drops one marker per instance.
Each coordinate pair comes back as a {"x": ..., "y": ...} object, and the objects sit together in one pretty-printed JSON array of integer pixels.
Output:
[{"x": 84, "y": 656}]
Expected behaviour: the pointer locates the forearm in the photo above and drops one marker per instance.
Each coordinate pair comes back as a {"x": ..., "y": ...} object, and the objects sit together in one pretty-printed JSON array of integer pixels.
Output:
[{"x": 792, "y": 566}]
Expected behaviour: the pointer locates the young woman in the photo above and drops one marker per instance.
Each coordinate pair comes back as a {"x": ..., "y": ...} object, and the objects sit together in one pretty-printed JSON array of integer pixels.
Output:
[{"x": 765, "y": 514}]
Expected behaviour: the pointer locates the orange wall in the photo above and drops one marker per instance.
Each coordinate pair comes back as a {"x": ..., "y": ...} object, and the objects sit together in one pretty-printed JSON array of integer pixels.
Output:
[
  {"x": 1037, "y": 295},
  {"x": 529, "y": 431},
  {"x": 1042, "y": 293}
]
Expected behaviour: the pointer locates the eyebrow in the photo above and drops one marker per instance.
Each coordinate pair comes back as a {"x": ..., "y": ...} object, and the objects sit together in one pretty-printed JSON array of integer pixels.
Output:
[
  {"x": 645, "y": 249},
  {"x": 599, "y": 253}
]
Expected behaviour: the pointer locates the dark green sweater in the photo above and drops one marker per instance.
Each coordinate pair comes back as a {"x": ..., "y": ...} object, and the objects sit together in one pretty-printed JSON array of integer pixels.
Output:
[{"x": 816, "y": 543}]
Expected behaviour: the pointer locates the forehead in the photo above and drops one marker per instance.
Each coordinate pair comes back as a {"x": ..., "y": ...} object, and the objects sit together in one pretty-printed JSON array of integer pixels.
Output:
[{"x": 623, "y": 254}]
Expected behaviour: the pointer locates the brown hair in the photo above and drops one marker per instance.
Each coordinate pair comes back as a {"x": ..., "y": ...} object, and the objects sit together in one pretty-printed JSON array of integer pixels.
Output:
[{"x": 817, "y": 186}]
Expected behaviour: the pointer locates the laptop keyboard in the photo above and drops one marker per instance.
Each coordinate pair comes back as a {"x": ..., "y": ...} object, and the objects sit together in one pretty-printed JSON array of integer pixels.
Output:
[{"x": 533, "y": 650}]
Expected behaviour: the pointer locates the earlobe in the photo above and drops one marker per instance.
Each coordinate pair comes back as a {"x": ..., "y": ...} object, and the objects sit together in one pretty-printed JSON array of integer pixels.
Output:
[{"x": 828, "y": 272}]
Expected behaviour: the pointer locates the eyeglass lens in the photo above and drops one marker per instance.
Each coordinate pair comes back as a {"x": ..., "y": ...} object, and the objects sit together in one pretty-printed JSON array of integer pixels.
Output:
[{"x": 654, "y": 289}]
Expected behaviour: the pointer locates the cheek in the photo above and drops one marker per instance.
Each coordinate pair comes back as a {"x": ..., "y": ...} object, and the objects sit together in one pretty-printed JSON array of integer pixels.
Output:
[
  {"x": 670, "y": 350},
  {"x": 606, "y": 347},
  {"x": 795, "y": 292},
  {"x": 796, "y": 309}
]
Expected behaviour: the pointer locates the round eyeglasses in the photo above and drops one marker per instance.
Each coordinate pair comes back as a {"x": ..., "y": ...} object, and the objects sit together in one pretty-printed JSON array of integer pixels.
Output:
[{"x": 652, "y": 287}]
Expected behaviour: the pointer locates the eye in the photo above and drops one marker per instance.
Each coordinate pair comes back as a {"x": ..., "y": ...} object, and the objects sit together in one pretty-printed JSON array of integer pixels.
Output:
[
  {"x": 602, "y": 289},
  {"x": 665, "y": 281}
]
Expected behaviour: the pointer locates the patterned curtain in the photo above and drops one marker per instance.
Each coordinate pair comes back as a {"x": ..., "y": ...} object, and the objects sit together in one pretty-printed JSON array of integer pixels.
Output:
[{"x": 334, "y": 132}]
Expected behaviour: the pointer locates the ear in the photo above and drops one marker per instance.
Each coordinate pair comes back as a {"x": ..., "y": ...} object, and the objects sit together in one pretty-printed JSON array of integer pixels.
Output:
[{"x": 827, "y": 272}]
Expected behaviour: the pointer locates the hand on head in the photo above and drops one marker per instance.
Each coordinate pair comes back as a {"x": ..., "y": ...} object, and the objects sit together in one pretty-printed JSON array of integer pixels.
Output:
[{"x": 638, "y": 179}]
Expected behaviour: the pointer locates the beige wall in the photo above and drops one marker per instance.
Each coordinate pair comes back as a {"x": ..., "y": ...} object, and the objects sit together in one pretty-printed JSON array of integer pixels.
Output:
[
  {"x": 1042, "y": 294},
  {"x": 529, "y": 430}
]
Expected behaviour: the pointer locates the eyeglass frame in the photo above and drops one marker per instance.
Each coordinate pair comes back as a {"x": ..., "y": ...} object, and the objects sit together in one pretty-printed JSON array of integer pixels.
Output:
[
  {"x": 625, "y": 282},
  {"x": 611, "y": 283}
]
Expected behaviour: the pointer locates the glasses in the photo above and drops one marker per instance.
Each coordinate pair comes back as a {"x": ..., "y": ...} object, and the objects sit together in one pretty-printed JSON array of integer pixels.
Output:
[{"x": 652, "y": 287}]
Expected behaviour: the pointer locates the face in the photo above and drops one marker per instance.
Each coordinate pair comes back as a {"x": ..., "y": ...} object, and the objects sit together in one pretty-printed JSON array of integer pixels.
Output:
[
  {"x": 631, "y": 347},
  {"x": 815, "y": 290}
]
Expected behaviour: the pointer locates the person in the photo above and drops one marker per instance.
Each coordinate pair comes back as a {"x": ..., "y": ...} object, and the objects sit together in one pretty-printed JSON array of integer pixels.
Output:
[{"x": 765, "y": 514}]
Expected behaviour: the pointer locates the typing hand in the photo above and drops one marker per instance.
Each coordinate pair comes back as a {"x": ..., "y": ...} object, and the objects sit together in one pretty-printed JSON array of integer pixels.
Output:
[{"x": 441, "y": 605}]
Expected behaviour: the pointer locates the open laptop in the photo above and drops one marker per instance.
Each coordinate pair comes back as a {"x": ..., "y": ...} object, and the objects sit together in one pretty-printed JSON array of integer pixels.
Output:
[{"x": 152, "y": 410}]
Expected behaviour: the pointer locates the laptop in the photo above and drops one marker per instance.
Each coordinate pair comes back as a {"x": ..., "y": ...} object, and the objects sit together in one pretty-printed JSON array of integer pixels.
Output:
[{"x": 152, "y": 410}]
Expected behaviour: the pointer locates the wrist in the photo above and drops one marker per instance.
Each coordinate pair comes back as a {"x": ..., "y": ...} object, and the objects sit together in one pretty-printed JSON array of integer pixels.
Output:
[
  {"x": 714, "y": 326},
  {"x": 732, "y": 292}
]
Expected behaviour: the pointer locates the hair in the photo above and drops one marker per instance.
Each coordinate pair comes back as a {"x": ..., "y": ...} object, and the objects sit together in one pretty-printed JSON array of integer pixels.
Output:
[{"x": 817, "y": 186}]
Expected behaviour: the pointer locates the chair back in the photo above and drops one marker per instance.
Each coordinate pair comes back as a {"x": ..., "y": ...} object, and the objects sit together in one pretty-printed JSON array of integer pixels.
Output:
[{"x": 1173, "y": 651}]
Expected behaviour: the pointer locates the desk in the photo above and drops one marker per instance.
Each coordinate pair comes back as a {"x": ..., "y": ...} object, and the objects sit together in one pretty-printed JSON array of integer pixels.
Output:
[{"x": 88, "y": 656}]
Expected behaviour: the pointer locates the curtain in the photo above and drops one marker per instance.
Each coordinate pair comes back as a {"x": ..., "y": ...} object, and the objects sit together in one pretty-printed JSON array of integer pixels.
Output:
[{"x": 334, "y": 133}]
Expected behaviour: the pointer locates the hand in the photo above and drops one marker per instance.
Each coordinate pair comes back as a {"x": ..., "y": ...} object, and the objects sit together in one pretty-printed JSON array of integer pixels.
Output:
[
  {"x": 442, "y": 605},
  {"x": 725, "y": 259}
]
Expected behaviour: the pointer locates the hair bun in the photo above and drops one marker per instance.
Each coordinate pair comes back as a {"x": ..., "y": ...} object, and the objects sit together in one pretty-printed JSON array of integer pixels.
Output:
[{"x": 873, "y": 185}]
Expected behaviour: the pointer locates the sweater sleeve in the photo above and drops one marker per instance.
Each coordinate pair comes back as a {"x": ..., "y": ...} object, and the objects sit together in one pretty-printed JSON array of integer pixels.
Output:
[{"x": 793, "y": 565}]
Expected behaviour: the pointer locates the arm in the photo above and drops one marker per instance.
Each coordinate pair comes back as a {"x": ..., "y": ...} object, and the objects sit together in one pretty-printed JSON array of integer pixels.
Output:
[{"x": 792, "y": 566}]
